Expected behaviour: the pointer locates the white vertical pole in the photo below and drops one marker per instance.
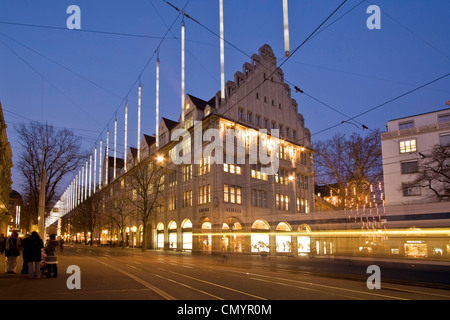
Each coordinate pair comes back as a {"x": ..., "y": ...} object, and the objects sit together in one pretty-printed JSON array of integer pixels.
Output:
[
  {"x": 115, "y": 149},
  {"x": 72, "y": 195},
  {"x": 222, "y": 54},
  {"x": 77, "y": 189},
  {"x": 157, "y": 103},
  {"x": 90, "y": 176},
  {"x": 125, "y": 142},
  {"x": 107, "y": 158},
  {"x": 286, "y": 28},
  {"x": 82, "y": 184},
  {"x": 182, "y": 71},
  {"x": 100, "y": 164},
  {"x": 95, "y": 170},
  {"x": 80, "y": 179},
  {"x": 86, "y": 182},
  {"x": 139, "y": 126}
]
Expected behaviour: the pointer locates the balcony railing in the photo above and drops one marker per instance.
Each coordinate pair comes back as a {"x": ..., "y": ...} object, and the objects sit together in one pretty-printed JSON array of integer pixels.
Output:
[{"x": 416, "y": 130}]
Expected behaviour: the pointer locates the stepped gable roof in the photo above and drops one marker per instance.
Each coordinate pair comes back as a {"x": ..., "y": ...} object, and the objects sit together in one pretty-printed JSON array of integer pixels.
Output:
[
  {"x": 149, "y": 139},
  {"x": 133, "y": 152},
  {"x": 199, "y": 103},
  {"x": 119, "y": 162},
  {"x": 170, "y": 124}
]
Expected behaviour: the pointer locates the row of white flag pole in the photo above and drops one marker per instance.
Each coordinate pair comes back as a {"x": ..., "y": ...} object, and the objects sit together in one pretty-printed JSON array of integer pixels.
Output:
[{"x": 81, "y": 187}]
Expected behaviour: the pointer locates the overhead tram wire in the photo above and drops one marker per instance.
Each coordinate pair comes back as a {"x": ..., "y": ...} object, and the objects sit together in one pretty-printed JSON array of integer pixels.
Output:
[
  {"x": 313, "y": 34},
  {"x": 44, "y": 78},
  {"x": 144, "y": 68},
  {"x": 292, "y": 53},
  {"x": 82, "y": 30},
  {"x": 137, "y": 79},
  {"x": 174, "y": 37},
  {"x": 287, "y": 81},
  {"x": 412, "y": 32},
  {"x": 385, "y": 103},
  {"x": 330, "y": 24},
  {"x": 62, "y": 66}
]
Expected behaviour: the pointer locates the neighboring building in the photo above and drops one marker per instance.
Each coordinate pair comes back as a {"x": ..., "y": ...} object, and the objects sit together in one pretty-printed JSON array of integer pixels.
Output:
[
  {"x": 5, "y": 176},
  {"x": 405, "y": 143},
  {"x": 235, "y": 200},
  {"x": 15, "y": 207}
]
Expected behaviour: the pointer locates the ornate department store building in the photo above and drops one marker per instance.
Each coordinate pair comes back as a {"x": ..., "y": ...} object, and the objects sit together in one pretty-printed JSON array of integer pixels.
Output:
[{"x": 233, "y": 199}]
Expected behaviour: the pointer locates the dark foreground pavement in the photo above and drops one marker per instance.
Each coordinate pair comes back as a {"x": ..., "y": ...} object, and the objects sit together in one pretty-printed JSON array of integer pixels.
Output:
[{"x": 128, "y": 274}]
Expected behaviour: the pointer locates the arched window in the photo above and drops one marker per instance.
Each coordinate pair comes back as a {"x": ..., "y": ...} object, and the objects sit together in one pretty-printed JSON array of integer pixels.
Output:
[
  {"x": 206, "y": 237},
  {"x": 303, "y": 239},
  {"x": 283, "y": 241},
  {"x": 186, "y": 233},
  {"x": 260, "y": 236},
  {"x": 160, "y": 235},
  {"x": 172, "y": 235},
  {"x": 232, "y": 238}
]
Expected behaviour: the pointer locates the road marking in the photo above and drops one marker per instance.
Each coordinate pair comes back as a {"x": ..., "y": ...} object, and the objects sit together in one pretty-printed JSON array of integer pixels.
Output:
[
  {"x": 215, "y": 284},
  {"x": 158, "y": 291},
  {"x": 416, "y": 292},
  {"x": 187, "y": 286},
  {"x": 304, "y": 288},
  {"x": 134, "y": 267},
  {"x": 324, "y": 286}
]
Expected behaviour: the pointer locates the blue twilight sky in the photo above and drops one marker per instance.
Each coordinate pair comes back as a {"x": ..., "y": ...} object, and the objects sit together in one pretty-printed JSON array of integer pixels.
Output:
[{"x": 81, "y": 80}]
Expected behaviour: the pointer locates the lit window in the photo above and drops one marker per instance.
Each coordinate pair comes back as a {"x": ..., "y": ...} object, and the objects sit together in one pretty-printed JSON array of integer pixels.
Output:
[
  {"x": 407, "y": 146},
  {"x": 232, "y": 194},
  {"x": 225, "y": 193}
]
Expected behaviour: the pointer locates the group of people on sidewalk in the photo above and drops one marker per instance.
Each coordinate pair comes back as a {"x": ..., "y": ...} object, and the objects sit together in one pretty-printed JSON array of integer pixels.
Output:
[{"x": 34, "y": 254}]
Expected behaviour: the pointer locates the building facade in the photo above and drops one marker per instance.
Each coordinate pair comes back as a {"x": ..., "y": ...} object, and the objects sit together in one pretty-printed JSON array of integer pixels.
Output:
[
  {"x": 246, "y": 174},
  {"x": 6, "y": 217},
  {"x": 407, "y": 142}
]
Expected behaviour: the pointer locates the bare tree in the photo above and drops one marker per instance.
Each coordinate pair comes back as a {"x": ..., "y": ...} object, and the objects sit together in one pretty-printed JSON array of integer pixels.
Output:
[
  {"x": 434, "y": 172},
  {"x": 57, "y": 151},
  {"x": 147, "y": 184},
  {"x": 349, "y": 165},
  {"x": 118, "y": 213},
  {"x": 88, "y": 215}
]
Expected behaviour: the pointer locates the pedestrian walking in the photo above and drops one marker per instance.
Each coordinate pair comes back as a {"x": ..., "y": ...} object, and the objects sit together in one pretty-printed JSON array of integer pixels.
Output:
[
  {"x": 11, "y": 248},
  {"x": 51, "y": 250},
  {"x": 32, "y": 255}
]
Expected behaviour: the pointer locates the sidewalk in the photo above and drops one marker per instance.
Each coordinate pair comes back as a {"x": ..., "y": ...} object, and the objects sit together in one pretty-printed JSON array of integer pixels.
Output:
[{"x": 19, "y": 287}]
